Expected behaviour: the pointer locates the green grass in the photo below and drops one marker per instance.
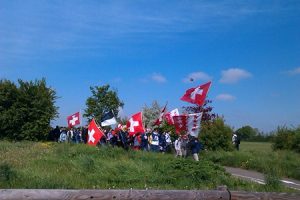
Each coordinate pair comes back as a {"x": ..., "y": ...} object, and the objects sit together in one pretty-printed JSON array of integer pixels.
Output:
[
  {"x": 65, "y": 166},
  {"x": 259, "y": 156},
  {"x": 256, "y": 146}
]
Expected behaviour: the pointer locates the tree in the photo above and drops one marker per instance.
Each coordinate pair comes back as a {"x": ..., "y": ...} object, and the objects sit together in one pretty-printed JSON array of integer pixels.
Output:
[
  {"x": 216, "y": 135},
  {"x": 103, "y": 99},
  {"x": 247, "y": 132},
  {"x": 26, "y": 110},
  {"x": 206, "y": 109},
  {"x": 150, "y": 114}
]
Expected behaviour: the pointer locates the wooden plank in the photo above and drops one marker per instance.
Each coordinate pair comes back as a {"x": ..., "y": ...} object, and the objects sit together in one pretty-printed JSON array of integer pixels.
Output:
[
  {"x": 236, "y": 195},
  {"x": 20, "y": 194},
  {"x": 224, "y": 194}
]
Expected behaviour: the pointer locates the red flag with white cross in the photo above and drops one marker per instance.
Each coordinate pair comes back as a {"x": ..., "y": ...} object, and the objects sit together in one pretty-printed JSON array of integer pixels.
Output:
[
  {"x": 196, "y": 95},
  {"x": 94, "y": 133},
  {"x": 135, "y": 124},
  {"x": 73, "y": 120}
]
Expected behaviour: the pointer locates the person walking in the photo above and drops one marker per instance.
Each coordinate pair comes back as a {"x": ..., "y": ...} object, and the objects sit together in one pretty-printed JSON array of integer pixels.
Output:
[
  {"x": 177, "y": 145},
  {"x": 195, "y": 147}
]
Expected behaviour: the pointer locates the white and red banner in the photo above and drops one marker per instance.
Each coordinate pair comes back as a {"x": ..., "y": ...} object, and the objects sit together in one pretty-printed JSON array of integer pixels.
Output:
[
  {"x": 161, "y": 115},
  {"x": 135, "y": 124},
  {"x": 189, "y": 124},
  {"x": 73, "y": 120},
  {"x": 169, "y": 116},
  {"x": 196, "y": 95},
  {"x": 94, "y": 133}
]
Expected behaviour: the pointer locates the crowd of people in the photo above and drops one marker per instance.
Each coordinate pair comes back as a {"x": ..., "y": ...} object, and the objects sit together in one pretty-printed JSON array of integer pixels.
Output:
[{"x": 152, "y": 140}]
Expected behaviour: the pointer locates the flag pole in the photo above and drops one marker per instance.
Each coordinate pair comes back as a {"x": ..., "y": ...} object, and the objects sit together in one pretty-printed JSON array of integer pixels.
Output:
[{"x": 80, "y": 116}]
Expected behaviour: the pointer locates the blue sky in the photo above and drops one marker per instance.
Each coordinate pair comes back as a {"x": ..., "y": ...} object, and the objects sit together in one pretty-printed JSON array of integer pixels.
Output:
[{"x": 147, "y": 49}]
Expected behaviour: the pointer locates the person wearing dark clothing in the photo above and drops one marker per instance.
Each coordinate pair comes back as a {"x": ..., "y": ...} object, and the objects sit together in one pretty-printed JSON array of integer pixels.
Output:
[
  {"x": 195, "y": 147},
  {"x": 237, "y": 142},
  {"x": 162, "y": 142},
  {"x": 123, "y": 134},
  {"x": 84, "y": 134},
  {"x": 102, "y": 141},
  {"x": 56, "y": 133},
  {"x": 114, "y": 139},
  {"x": 144, "y": 142}
]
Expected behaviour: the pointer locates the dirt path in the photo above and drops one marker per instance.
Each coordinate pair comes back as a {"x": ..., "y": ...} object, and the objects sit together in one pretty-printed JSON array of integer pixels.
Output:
[{"x": 259, "y": 177}]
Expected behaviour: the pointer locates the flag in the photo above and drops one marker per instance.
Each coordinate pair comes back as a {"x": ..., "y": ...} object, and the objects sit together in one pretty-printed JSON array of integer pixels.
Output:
[
  {"x": 169, "y": 116},
  {"x": 135, "y": 124},
  {"x": 94, "y": 133},
  {"x": 196, "y": 95},
  {"x": 188, "y": 123},
  {"x": 193, "y": 124},
  {"x": 73, "y": 120},
  {"x": 108, "y": 119},
  {"x": 180, "y": 123},
  {"x": 118, "y": 128},
  {"x": 160, "y": 118}
]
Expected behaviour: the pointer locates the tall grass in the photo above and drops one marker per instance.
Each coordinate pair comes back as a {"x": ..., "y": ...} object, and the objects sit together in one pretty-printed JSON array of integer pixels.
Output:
[
  {"x": 259, "y": 156},
  {"x": 67, "y": 166}
]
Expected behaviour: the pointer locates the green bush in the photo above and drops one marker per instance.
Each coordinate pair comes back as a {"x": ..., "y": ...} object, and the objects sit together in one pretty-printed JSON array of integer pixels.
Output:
[
  {"x": 286, "y": 138},
  {"x": 216, "y": 135},
  {"x": 7, "y": 174},
  {"x": 26, "y": 110}
]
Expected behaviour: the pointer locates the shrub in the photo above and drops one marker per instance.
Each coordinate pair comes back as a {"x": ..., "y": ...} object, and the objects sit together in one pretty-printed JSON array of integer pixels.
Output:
[
  {"x": 216, "y": 135},
  {"x": 286, "y": 138},
  {"x": 7, "y": 174}
]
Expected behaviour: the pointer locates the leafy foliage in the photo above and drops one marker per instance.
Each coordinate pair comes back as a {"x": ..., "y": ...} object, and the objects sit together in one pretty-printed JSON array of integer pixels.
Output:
[
  {"x": 286, "y": 138},
  {"x": 206, "y": 109},
  {"x": 102, "y": 100},
  {"x": 216, "y": 135},
  {"x": 247, "y": 133},
  {"x": 26, "y": 110}
]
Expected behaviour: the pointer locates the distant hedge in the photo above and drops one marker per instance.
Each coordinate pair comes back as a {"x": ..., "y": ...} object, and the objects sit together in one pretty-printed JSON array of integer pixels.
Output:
[
  {"x": 287, "y": 138},
  {"x": 26, "y": 109}
]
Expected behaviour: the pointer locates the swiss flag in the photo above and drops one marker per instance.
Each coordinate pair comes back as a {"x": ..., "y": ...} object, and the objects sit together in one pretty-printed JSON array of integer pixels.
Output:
[
  {"x": 73, "y": 120},
  {"x": 169, "y": 116},
  {"x": 188, "y": 123},
  {"x": 160, "y": 118},
  {"x": 94, "y": 133},
  {"x": 135, "y": 124},
  {"x": 196, "y": 95}
]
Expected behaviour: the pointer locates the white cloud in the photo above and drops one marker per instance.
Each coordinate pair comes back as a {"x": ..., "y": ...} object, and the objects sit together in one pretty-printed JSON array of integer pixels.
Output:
[
  {"x": 158, "y": 78},
  {"x": 295, "y": 71},
  {"x": 195, "y": 76},
  {"x": 233, "y": 75},
  {"x": 225, "y": 97}
]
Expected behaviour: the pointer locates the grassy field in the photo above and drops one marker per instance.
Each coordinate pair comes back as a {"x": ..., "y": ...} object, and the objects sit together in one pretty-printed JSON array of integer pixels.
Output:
[
  {"x": 256, "y": 146},
  {"x": 259, "y": 156},
  {"x": 65, "y": 166}
]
